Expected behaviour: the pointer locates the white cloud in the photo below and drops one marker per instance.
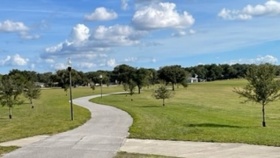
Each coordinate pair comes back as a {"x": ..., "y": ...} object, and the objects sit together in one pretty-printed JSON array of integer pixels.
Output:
[
  {"x": 10, "y": 26},
  {"x": 101, "y": 14},
  {"x": 4, "y": 61},
  {"x": 100, "y": 40},
  {"x": 271, "y": 7},
  {"x": 117, "y": 35},
  {"x": 259, "y": 60},
  {"x": 80, "y": 33},
  {"x": 18, "y": 60},
  {"x": 15, "y": 60},
  {"x": 266, "y": 59},
  {"x": 161, "y": 15},
  {"x": 17, "y": 27},
  {"x": 124, "y": 4}
]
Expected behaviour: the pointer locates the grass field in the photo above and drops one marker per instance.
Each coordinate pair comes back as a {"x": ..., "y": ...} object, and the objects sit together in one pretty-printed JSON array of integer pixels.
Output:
[
  {"x": 208, "y": 112},
  {"x": 51, "y": 115}
]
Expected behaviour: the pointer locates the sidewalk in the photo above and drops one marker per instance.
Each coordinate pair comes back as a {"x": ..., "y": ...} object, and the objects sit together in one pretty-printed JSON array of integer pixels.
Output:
[{"x": 199, "y": 149}]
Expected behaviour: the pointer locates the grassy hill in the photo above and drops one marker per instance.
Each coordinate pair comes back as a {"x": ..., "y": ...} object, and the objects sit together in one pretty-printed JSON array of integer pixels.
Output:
[{"x": 208, "y": 111}]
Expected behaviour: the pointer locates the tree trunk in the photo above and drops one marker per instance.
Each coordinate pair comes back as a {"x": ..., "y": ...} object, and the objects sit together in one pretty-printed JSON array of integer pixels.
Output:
[
  {"x": 139, "y": 89},
  {"x": 10, "y": 113},
  {"x": 263, "y": 114},
  {"x": 163, "y": 104},
  {"x": 32, "y": 106},
  {"x": 173, "y": 87}
]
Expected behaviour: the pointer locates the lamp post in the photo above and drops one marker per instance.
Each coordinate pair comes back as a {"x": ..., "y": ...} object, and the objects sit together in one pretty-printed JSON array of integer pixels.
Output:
[
  {"x": 69, "y": 68},
  {"x": 101, "y": 85}
]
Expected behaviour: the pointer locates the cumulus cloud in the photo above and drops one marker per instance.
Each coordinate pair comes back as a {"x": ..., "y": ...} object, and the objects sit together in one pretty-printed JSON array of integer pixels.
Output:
[
  {"x": 117, "y": 35},
  {"x": 259, "y": 60},
  {"x": 100, "y": 40},
  {"x": 101, "y": 14},
  {"x": 87, "y": 45},
  {"x": 161, "y": 15},
  {"x": 9, "y": 26},
  {"x": 15, "y": 60},
  {"x": 80, "y": 33},
  {"x": 271, "y": 7}
]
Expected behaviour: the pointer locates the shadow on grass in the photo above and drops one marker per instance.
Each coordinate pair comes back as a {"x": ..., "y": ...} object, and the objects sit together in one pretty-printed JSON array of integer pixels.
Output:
[{"x": 213, "y": 125}]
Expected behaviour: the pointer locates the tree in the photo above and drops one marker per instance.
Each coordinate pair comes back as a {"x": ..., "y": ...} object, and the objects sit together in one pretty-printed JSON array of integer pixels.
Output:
[
  {"x": 31, "y": 92},
  {"x": 9, "y": 93},
  {"x": 124, "y": 73},
  {"x": 173, "y": 74},
  {"x": 262, "y": 87},
  {"x": 130, "y": 86},
  {"x": 162, "y": 93},
  {"x": 141, "y": 78}
]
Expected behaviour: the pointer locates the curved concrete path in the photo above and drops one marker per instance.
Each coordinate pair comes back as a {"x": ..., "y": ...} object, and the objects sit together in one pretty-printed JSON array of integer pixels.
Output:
[{"x": 100, "y": 137}]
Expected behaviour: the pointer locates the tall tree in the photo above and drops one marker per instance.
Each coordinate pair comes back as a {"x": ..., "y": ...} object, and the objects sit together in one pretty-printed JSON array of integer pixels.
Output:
[
  {"x": 262, "y": 87},
  {"x": 124, "y": 73},
  {"x": 173, "y": 74},
  {"x": 141, "y": 78}
]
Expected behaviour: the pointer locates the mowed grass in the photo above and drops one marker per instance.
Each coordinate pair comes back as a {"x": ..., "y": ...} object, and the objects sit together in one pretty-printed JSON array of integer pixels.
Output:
[
  {"x": 209, "y": 112},
  {"x": 51, "y": 114}
]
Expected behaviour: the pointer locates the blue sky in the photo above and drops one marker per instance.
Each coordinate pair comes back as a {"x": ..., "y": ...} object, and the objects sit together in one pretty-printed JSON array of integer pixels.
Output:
[{"x": 99, "y": 35}]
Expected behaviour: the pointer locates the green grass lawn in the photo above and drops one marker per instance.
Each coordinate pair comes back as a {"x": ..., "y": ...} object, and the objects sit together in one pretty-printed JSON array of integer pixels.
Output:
[
  {"x": 208, "y": 112},
  {"x": 51, "y": 115}
]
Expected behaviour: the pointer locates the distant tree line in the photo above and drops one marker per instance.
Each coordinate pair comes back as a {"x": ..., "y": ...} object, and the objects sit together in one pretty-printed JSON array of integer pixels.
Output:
[{"x": 125, "y": 74}]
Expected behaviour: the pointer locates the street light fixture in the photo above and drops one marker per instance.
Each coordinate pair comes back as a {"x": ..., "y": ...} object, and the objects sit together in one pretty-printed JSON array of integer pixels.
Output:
[
  {"x": 101, "y": 85},
  {"x": 69, "y": 68}
]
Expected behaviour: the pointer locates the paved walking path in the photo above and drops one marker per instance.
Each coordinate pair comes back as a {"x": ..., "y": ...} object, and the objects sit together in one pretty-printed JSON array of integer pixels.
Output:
[
  {"x": 199, "y": 149},
  {"x": 100, "y": 137}
]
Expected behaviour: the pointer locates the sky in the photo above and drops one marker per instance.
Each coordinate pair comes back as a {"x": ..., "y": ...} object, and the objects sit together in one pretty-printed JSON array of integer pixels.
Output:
[{"x": 43, "y": 35}]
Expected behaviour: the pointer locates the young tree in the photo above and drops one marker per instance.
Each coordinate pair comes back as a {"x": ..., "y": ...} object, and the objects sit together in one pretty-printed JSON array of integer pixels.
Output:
[
  {"x": 262, "y": 87},
  {"x": 31, "y": 92},
  {"x": 162, "y": 93},
  {"x": 9, "y": 93}
]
